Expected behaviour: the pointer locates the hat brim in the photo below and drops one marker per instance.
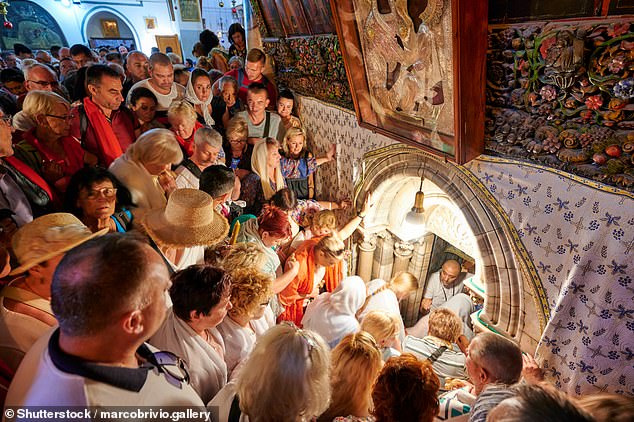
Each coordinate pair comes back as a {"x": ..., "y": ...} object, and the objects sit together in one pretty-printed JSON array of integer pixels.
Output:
[
  {"x": 166, "y": 234},
  {"x": 33, "y": 262}
]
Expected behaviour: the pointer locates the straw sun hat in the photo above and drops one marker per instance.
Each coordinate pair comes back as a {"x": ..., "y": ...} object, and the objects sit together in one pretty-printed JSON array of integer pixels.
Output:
[
  {"x": 48, "y": 236},
  {"x": 189, "y": 219}
]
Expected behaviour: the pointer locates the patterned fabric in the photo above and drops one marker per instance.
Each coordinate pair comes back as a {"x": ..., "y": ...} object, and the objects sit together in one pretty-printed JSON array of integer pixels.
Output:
[
  {"x": 579, "y": 236},
  {"x": 297, "y": 168}
]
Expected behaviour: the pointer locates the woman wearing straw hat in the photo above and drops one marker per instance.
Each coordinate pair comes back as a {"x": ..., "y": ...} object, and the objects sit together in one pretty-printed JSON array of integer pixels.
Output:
[
  {"x": 25, "y": 307},
  {"x": 184, "y": 227}
]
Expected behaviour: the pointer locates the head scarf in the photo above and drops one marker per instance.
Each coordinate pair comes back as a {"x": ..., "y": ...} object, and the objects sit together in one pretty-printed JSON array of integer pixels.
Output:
[
  {"x": 332, "y": 315},
  {"x": 190, "y": 96}
]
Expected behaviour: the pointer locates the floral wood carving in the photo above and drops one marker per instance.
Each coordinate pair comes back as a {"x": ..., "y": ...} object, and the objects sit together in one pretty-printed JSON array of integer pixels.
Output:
[
  {"x": 561, "y": 94},
  {"x": 312, "y": 66}
]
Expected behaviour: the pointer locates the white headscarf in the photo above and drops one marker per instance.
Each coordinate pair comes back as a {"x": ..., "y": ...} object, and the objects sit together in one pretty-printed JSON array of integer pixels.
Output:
[
  {"x": 190, "y": 96},
  {"x": 332, "y": 315}
]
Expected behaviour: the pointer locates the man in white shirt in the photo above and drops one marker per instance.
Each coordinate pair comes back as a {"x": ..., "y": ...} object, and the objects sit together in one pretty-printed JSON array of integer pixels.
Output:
[
  {"x": 109, "y": 296},
  {"x": 262, "y": 123},
  {"x": 445, "y": 288},
  {"x": 161, "y": 83},
  {"x": 207, "y": 146}
]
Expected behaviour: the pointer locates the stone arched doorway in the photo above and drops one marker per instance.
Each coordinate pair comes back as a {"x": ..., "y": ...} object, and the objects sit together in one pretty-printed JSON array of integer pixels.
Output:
[
  {"x": 104, "y": 28},
  {"x": 458, "y": 211}
]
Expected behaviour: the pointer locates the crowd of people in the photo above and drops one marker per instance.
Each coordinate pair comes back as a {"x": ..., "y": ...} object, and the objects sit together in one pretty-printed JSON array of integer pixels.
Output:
[{"x": 162, "y": 244}]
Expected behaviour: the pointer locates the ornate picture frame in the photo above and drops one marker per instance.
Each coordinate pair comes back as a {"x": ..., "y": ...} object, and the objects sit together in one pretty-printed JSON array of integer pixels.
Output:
[
  {"x": 190, "y": 10},
  {"x": 417, "y": 70},
  {"x": 109, "y": 28}
]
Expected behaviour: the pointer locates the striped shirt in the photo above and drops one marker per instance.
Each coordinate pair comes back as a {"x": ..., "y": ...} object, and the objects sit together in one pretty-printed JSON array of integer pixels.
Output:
[
  {"x": 451, "y": 364},
  {"x": 490, "y": 397}
]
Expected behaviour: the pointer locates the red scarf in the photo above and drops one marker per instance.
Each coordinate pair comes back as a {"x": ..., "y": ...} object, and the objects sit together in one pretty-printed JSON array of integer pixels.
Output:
[
  {"x": 30, "y": 174},
  {"x": 188, "y": 144},
  {"x": 71, "y": 161},
  {"x": 108, "y": 144}
]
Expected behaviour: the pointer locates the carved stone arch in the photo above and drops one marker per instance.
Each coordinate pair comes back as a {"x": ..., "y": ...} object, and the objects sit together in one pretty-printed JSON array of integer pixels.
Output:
[{"x": 504, "y": 274}]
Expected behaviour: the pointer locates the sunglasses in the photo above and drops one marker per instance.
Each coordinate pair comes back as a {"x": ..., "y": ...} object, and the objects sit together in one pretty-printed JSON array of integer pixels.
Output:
[{"x": 173, "y": 367}]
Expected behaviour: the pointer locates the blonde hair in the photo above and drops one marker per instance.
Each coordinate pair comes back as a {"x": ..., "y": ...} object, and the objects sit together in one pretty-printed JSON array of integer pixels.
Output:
[
  {"x": 249, "y": 289},
  {"x": 244, "y": 254},
  {"x": 325, "y": 219},
  {"x": 286, "y": 376},
  {"x": 292, "y": 133},
  {"x": 181, "y": 109},
  {"x": 356, "y": 362},
  {"x": 37, "y": 103},
  {"x": 331, "y": 245},
  {"x": 403, "y": 282},
  {"x": 445, "y": 324},
  {"x": 156, "y": 146},
  {"x": 259, "y": 165},
  {"x": 383, "y": 326},
  {"x": 237, "y": 128}
]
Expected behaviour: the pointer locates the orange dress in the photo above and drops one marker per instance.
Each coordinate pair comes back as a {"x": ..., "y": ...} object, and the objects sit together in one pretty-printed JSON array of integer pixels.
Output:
[{"x": 292, "y": 297}]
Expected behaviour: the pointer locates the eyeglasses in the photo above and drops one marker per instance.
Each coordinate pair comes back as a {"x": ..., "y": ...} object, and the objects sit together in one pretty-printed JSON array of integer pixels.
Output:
[
  {"x": 7, "y": 119},
  {"x": 107, "y": 193},
  {"x": 45, "y": 84},
  {"x": 67, "y": 117},
  {"x": 173, "y": 367}
]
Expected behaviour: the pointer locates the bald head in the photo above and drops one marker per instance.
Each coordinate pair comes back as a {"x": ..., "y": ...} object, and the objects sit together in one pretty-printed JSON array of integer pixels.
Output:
[
  {"x": 449, "y": 272},
  {"x": 137, "y": 66},
  {"x": 101, "y": 280}
]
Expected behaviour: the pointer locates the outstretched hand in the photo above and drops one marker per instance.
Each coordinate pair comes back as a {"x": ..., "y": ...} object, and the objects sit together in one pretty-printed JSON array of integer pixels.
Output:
[
  {"x": 368, "y": 204},
  {"x": 531, "y": 372}
]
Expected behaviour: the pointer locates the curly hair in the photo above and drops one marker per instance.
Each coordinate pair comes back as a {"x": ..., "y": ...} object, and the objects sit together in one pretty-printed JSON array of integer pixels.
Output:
[
  {"x": 249, "y": 289},
  {"x": 445, "y": 324},
  {"x": 406, "y": 390},
  {"x": 243, "y": 255},
  {"x": 325, "y": 219}
]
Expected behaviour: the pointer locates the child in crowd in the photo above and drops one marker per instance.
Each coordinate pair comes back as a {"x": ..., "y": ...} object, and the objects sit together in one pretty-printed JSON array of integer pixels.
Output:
[
  {"x": 143, "y": 104},
  {"x": 298, "y": 164}
]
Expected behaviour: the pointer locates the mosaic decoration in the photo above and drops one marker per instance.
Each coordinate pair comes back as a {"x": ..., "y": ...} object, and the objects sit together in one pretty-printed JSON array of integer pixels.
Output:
[
  {"x": 312, "y": 66},
  {"x": 31, "y": 25},
  {"x": 560, "y": 94},
  {"x": 580, "y": 238}
]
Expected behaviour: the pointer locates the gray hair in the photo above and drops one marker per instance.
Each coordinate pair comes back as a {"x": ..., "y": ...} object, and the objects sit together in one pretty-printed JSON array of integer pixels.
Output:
[
  {"x": 207, "y": 135},
  {"x": 499, "y": 356},
  {"x": 228, "y": 80},
  {"x": 30, "y": 68}
]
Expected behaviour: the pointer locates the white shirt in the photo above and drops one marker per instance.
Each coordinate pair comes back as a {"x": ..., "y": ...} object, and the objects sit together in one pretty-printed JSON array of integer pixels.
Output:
[
  {"x": 164, "y": 100},
  {"x": 440, "y": 294},
  {"x": 40, "y": 382},
  {"x": 257, "y": 131}
]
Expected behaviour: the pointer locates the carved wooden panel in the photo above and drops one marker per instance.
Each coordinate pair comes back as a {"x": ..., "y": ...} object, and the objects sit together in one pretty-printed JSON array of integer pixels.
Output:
[{"x": 561, "y": 94}]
